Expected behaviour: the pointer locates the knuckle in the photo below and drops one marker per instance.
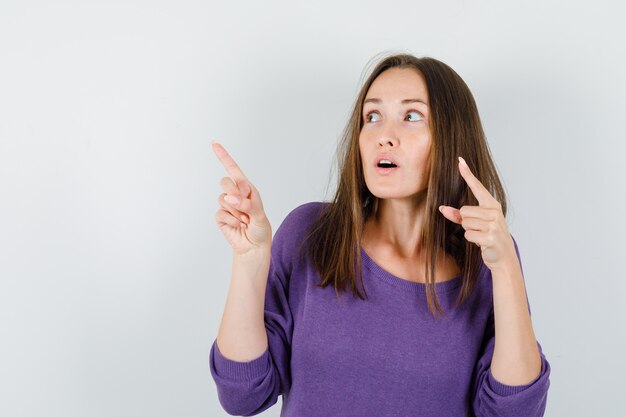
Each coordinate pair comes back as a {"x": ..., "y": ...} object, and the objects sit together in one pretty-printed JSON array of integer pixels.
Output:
[
  {"x": 227, "y": 184},
  {"x": 224, "y": 203}
]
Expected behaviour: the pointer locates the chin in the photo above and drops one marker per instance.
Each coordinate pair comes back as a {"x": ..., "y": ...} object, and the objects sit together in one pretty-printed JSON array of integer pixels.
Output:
[{"x": 390, "y": 195}]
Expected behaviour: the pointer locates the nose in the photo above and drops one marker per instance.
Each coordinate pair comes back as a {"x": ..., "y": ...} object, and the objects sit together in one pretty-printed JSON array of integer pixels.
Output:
[
  {"x": 390, "y": 140},
  {"x": 388, "y": 136}
]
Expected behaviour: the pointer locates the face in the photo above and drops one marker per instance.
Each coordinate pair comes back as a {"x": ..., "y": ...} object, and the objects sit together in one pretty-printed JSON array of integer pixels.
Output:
[{"x": 399, "y": 130}]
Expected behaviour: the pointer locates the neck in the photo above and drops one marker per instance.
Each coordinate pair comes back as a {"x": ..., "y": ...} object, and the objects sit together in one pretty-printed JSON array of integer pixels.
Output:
[{"x": 396, "y": 225}]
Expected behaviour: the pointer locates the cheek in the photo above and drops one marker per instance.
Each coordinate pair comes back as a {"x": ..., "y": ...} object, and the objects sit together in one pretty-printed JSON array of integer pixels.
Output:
[
  {"x": 364, "y": 140},
  {"x": 363, "y": 154},
  {"x": 420, "y": 164},
  {"x": 362, "y": 136}
]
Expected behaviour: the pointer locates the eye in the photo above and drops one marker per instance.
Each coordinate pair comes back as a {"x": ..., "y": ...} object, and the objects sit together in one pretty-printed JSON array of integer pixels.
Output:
[
  {"x": 367, "y": 116},
  {"x": 375, "y": 113},
  {"x": 416, "y": 112}
]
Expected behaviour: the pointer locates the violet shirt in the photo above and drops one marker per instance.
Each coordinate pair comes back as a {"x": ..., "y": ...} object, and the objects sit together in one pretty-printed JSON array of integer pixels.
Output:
[{"x": 386, "y": 356}]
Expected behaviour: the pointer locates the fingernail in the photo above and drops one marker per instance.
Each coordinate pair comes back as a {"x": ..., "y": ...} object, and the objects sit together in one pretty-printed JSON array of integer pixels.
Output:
[
  {"x": 231, "y": 199},
  {"x": 441, "y": 209},
  {"x": 463, "y": 162}
]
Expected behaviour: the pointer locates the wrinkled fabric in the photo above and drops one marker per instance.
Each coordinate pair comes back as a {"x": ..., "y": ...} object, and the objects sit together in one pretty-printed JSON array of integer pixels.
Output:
[{"x": 383, "y": 356}]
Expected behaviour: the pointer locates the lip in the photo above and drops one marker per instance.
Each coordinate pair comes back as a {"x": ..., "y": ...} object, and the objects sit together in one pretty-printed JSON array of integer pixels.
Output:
[
  {"x": 386, "y": 171},
  {"x": 388, "y": 156}
]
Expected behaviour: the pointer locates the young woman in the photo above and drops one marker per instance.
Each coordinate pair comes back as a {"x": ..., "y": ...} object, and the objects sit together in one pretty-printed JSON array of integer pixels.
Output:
[{"x": 417, "y": 230}]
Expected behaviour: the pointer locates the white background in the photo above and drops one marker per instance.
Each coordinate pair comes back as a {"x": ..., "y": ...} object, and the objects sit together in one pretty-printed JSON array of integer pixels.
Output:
[{"x": 113, "y": 271}]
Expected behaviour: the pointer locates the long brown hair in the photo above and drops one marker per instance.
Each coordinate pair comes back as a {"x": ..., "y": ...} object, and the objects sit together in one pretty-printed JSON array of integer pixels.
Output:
[{"x": 333, "y": 241}]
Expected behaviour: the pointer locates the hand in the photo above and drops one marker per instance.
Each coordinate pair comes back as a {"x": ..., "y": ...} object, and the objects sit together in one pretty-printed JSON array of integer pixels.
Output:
[
  {"x": 241, "y": 218},
  {"x": 484, "y": 224}
]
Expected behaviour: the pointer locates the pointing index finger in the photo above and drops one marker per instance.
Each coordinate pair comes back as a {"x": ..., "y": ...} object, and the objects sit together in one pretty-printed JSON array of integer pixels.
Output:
[
  {"x": 232, "y": 168},
  {"x": 483, "y": 195},
  {"x": 228, "y": 162}
]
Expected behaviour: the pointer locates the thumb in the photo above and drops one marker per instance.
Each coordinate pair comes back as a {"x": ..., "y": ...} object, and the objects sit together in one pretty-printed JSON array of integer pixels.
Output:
[
  {"x": 451, "y": 214},
  {"x": 244, "y": 188},
  {"x": 253, "y": 204}
]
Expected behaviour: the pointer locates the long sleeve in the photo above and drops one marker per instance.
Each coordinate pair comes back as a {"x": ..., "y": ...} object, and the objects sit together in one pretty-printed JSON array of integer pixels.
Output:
[
  {"x": 491, "y": 398},
  {"x": 248, "y": 388}
]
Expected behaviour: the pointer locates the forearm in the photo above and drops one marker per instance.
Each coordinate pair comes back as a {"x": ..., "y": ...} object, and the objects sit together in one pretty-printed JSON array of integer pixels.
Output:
[
  {"x": 242, "y": 336},
  {"x": 516, "y": 359}
]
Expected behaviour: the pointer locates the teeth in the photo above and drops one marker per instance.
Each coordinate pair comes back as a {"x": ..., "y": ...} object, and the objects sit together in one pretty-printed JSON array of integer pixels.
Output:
[{"x": 386, "y": 163}]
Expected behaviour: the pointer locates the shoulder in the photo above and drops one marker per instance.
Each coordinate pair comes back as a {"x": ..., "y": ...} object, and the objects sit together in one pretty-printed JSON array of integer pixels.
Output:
[
  {"x": 294, "y": 228},
  {"x": 301, "y": 217}
]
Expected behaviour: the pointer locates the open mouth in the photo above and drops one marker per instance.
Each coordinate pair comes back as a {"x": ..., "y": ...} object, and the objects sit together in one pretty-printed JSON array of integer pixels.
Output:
[
  {"x": 386, "y": 164},
  {"x": 385, "y": 169}
]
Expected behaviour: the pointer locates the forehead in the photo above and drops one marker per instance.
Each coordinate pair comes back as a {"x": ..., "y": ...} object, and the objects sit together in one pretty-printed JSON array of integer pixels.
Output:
[{"x": 396, "y": 84}]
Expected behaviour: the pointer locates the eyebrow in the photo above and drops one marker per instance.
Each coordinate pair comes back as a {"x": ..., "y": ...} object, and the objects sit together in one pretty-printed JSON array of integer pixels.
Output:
[{"x": 405, "y": 101}]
